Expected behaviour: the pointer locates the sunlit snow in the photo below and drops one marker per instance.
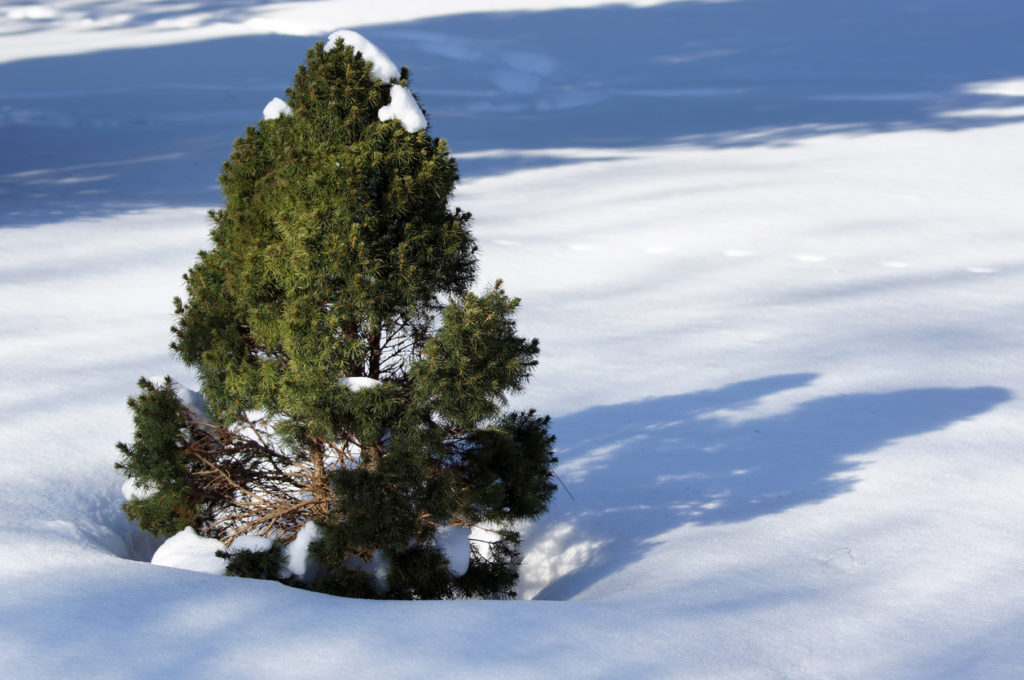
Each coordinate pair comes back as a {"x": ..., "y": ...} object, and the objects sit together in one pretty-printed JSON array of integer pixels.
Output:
[
  {"x": 299, "y": 562},
  {"x": 188, "y": 550},
  {"x": 251, "y": 543},
  {"x": 403, "y": 108},
  {"x": 276, "y": 108}
]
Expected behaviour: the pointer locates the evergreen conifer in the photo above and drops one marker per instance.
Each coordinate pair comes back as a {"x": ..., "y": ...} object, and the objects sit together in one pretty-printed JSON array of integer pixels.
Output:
[{"x": 350, "y": 376}]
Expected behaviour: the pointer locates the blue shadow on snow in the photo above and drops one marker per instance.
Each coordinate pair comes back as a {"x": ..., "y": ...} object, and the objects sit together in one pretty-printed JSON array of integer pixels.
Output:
[
  {"x": 98, "y": 133},
  {"x": 640, "y": 469}
]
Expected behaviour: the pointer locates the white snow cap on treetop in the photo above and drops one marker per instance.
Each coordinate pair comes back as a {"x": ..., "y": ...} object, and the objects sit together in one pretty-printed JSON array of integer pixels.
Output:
[
  {"x": 275, "y": 109},
  {"x": 383, "y": 67},
  {"x": 404, "y": 108}
]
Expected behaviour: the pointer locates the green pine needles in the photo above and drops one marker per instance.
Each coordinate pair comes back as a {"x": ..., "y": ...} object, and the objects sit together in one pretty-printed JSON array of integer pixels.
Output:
[{"x": 350, "y": 378}]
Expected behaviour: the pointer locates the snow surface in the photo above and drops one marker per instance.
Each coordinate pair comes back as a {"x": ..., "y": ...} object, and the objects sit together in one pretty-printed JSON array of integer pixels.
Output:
[
  {"x": 276, "y": 108},
  {"x": 404, "y": 109},
  {"x": 777, "y": 287},
  {"x": 383, "y": 67}
]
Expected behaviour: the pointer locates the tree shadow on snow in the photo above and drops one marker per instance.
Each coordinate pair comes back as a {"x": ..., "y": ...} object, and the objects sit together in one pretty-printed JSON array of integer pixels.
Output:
[
  {"x": 640, "y": 469},
  {"x": 97, "y": 133},
  {"x": 740, "y": 72}
]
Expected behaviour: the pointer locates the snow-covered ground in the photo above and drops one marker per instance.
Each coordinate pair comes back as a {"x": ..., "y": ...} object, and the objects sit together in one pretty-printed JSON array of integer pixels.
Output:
[{"x": 774, "y": 252}]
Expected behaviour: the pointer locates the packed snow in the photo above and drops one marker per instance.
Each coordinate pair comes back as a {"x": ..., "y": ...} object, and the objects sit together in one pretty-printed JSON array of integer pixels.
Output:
[{"x": 776, "y": 273}]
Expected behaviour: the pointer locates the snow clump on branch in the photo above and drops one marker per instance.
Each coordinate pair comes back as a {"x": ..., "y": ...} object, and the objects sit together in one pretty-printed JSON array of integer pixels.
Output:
[
  {"x": 276, "y": 108},
  {"x": 404, "y": 108}
]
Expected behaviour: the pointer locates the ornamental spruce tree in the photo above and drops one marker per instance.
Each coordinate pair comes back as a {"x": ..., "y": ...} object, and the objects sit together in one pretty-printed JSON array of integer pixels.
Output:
[{"x": 352, "y": 382}]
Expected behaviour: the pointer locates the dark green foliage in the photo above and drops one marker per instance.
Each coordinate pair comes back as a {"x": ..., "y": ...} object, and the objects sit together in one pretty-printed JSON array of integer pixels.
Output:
[
  {"x": 494, "y": 575},
  {"x": 157, "y": 460},
  {"x": 261, "y": 564},
  {"x": 475, "y": 358},
  {"x": 338, "y": 256},
  {"x": 507, "y": 468},
  {"x": 419, "y": 572},
  {"x": 347, "y": 583}
]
